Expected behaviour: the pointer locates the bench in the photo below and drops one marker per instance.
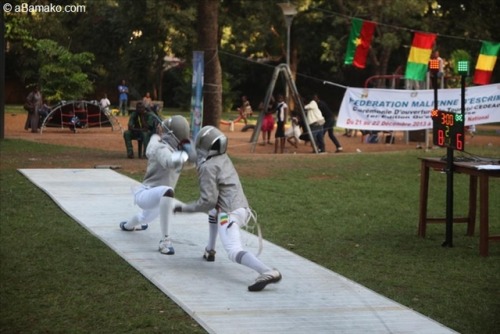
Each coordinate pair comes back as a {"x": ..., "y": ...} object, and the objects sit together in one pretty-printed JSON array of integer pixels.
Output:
[{"x": 133, "y": 105}]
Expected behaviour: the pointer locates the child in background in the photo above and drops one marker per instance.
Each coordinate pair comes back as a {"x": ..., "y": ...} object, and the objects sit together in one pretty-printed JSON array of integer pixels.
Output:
[{"x": 292, "y": 134}]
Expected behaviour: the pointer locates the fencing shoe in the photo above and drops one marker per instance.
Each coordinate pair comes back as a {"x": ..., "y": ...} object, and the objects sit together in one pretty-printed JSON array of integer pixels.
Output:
[
  {"x": 166, "y": 247},
  {"x": 272, "y": 276},
  {"x": 209, "y": 255},
  {"x": 141, "y": 227}
]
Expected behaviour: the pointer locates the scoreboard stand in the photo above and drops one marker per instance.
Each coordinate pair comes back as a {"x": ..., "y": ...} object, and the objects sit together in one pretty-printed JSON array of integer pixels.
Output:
[{"x": 448, "y": 131}]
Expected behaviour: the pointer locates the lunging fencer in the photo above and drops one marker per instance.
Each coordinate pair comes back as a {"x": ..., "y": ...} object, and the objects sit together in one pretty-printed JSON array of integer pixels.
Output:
[
  {"x": 221, "y": 194},
  {"x": 167, "y": 152}
]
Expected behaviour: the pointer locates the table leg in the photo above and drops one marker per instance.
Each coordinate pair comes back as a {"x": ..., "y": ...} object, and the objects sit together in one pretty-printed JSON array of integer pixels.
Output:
[
  {"x": 483, "y": 215},
  {"x": 471, "y": 224}
]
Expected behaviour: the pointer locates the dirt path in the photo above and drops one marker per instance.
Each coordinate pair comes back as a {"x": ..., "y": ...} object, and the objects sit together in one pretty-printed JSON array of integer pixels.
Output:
[{"x": 239, "y": 142}]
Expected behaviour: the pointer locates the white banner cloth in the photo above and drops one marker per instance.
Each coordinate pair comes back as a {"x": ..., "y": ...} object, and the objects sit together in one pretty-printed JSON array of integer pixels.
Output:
[{"x": 402, "y": 110}]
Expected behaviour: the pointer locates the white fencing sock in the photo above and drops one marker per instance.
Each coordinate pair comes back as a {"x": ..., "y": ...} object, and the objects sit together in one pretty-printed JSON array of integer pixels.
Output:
[
  {"x": 251, "y": 261},
  {"x": 166, "y": 212}
]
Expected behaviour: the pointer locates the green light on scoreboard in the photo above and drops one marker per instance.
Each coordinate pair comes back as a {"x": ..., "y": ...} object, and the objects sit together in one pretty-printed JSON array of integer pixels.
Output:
[{"x": 463, "y": 67}]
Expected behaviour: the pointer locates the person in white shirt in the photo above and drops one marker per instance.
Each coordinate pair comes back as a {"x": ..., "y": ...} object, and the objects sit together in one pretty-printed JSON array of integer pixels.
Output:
[
  {"x": 147, "y": 101},
  {"x": 315, "y": 120},
  {"x": 105, "y": 104}
]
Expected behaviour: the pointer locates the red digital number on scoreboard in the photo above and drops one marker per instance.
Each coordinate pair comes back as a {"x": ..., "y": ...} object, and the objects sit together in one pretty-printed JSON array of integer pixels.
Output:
[{"x": 448, "y": 129}]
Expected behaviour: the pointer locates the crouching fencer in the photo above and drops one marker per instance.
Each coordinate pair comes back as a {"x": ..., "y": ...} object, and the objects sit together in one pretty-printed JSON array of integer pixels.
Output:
[
  {"x": 167, "y": 152},
  {"x": 221, "y": 193}
]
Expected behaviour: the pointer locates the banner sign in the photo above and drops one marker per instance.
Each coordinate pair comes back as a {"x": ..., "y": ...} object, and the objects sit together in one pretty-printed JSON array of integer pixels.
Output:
[
  {"x": 402, "y": 110},
  {"x": 197, "y": 93}
]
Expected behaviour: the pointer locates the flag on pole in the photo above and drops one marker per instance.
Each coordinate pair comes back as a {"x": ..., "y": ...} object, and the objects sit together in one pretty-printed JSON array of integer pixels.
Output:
[
  {"x": 360, "y": 39},
  {"x": 420, "y": 53},
  {"x": 486, "y": 63}
]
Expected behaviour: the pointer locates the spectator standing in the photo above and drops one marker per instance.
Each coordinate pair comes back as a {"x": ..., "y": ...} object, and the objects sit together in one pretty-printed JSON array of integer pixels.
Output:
[
  {"x": 123, "y": 98},
  {"x": 267, "y": 122},
  {"x": 440, "y": 72},
  {"x": 147, "y": 101},
  {"x": 281, "y": 114},
  {"x": 105, "y": 104},
  {"x": 329, "y": 122},
  {"x": 435, "y": 55},
  {"x": 316, "y": 121},
  {"x": 34, "y": 104}
]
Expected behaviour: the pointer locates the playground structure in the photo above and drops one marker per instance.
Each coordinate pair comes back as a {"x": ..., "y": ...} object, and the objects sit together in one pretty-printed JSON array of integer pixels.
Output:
[
  {"x": 283, "y": 69},
  {"x": 79, "y": 114}
]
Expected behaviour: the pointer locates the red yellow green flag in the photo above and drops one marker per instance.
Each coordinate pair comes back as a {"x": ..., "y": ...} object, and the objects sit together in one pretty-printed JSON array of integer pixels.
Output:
[
  {"x": 360, "y": 39},
  {"x": 486, "y": 63},
  {"x": 420, "y": 53}
]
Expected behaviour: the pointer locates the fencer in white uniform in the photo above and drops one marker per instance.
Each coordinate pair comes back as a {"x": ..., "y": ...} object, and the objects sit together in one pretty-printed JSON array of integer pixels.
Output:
[
  {"x": 167, "y": 152},
  {"x": 221, "y": 193}
]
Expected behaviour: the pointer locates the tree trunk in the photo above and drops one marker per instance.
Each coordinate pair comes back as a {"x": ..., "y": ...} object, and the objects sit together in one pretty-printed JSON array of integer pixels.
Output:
[{"x": 208, "y": 13}]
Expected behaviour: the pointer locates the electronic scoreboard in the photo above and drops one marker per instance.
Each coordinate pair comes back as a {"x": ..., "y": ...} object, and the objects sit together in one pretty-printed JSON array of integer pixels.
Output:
[{"x": 448, "y": 129}]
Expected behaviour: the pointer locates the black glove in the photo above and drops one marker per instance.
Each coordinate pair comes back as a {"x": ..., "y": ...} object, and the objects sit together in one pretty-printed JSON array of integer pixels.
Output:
[{"x": 177, "y": 208}]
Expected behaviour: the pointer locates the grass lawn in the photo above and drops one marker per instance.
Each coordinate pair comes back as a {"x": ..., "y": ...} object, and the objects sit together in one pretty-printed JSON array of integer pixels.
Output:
[{"x": 354, "y": 214}]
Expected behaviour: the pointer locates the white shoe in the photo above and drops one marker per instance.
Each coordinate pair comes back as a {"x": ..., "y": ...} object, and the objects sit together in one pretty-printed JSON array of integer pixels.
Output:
[
  {"x": 272, "y": 276},
  {"x": 166, "y": 247}
]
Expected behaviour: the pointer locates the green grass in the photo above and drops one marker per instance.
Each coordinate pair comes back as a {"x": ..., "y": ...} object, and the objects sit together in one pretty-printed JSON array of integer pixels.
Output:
[
  {"x": 56, "y": 277},
  {"x": 355, "y": 214}
]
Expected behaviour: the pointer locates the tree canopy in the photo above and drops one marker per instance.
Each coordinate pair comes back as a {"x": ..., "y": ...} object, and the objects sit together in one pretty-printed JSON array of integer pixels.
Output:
[{"x": 150, "y": 43}]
